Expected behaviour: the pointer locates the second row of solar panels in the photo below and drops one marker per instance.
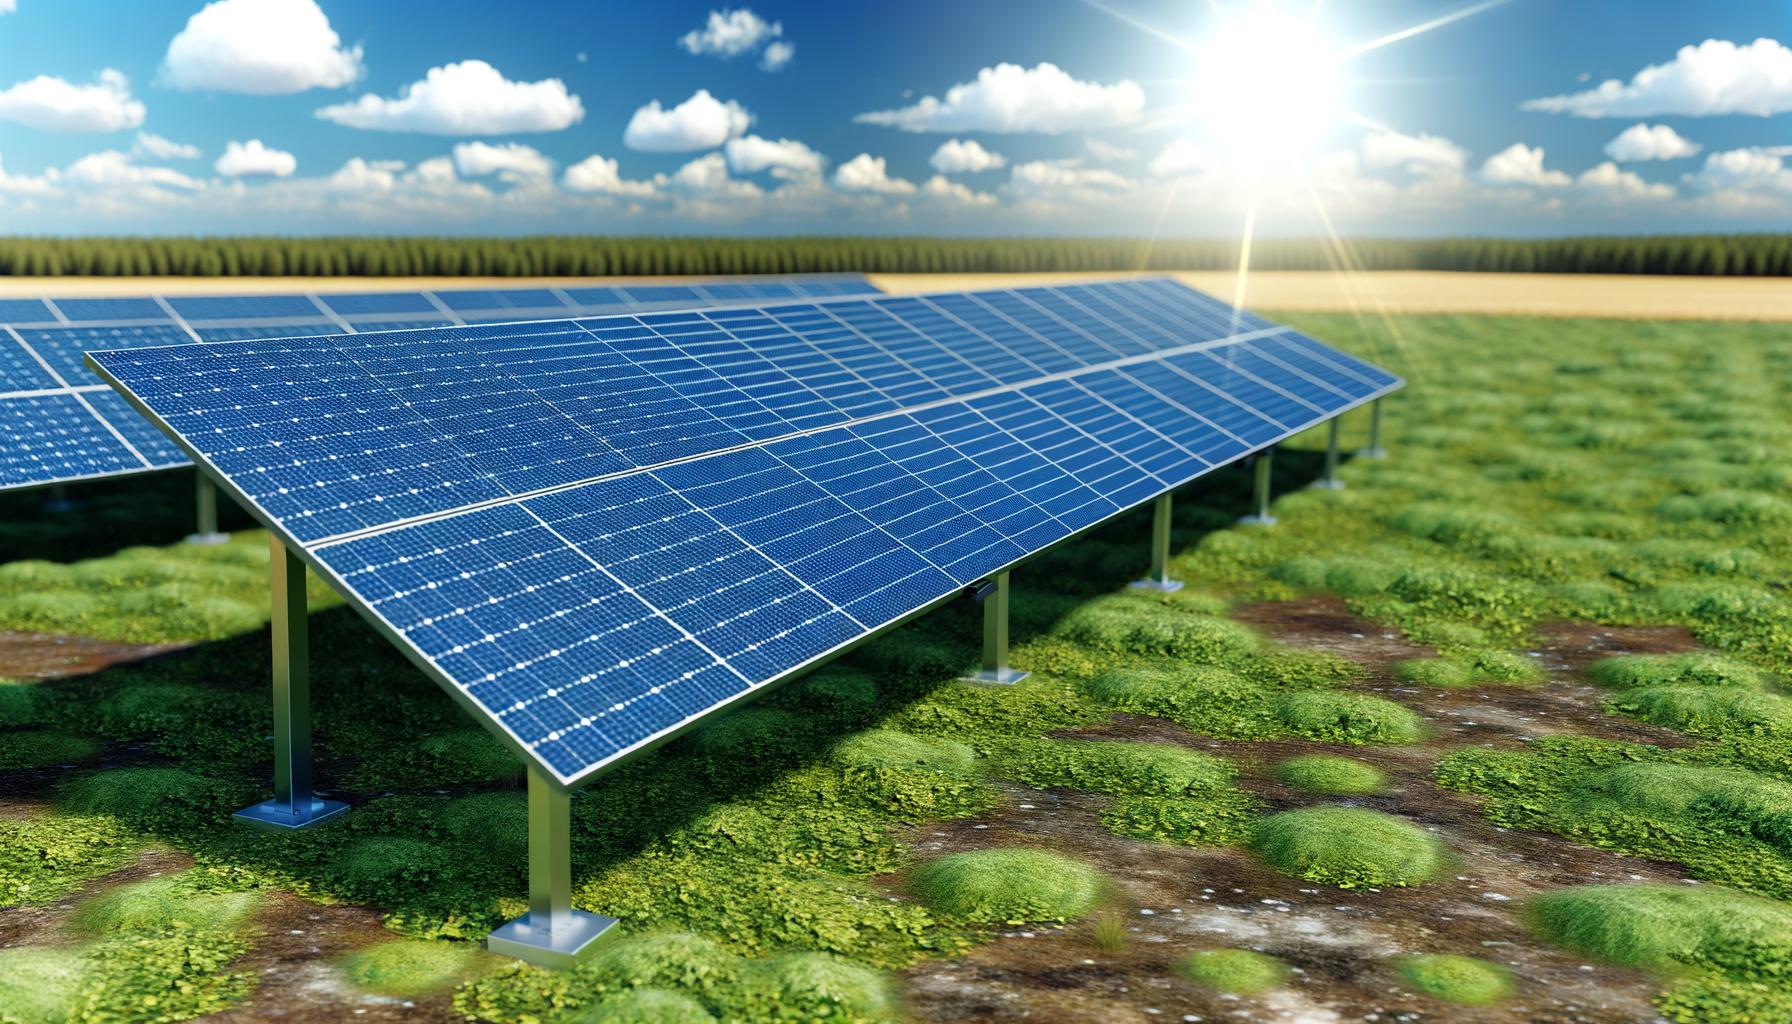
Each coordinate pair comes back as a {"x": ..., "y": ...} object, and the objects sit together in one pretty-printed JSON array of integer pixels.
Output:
[{"x": 59, "y": 423}]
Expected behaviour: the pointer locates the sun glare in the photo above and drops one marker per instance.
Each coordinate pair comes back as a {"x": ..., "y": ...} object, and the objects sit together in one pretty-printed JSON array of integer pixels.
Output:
[{"x": 1267, "y": 87}]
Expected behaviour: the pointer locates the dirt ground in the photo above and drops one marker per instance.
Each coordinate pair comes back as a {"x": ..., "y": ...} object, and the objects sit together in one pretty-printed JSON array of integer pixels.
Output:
[{"x": 1612, "y": 295}]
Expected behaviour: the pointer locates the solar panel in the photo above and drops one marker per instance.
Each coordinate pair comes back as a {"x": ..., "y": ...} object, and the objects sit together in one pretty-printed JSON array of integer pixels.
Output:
[
  {"x": 596, "y": 532},
  {"x": 42, "y": 341}
]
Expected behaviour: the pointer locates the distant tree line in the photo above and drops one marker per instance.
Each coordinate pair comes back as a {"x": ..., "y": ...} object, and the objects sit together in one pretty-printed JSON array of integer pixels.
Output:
[{"x": 596, "y": 255}]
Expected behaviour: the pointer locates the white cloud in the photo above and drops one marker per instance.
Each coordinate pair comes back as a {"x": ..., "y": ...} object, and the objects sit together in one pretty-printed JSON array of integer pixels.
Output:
[
  {"x": 1714, "y": 77},
  {"x": 1611, "y": 182},
  {"x": 777, "y": 55},
  {"x": 707, "y": 176},
  {"x": 1065, "y": 179},
  {"x": 1179, "y": 159},
  {"x": 1108, "y": 153},
  {"x": 730, "y": 33},
  {"x": 1645, "y": 142},
  {"x": 259, "y": 47},
  {"x": 1010, "y": 98},
  {"x": 26, "y": 185},
  {"x": 1519, "y": 164},
  {"x": 785, "y": 158},
  {"x": 149, "y": 144},
  {"x": 1418, "y": 154},
  {"x": 940, "y": 188},
  {"x": 467, "y": 98},
  {"x": 511, "y": 161},
  {"x": 867, "y": 173},
  {"x": 701, "y": 122},
  {"x": 113, "y": 170},
  {"x": 601, "y": 175},
  {"x": 964, "y": 156},
  {"x": 56, "y": 105},
  {"x": 253, "y": 160},
  {"x": 1743, "y": 170},
  {"x": 358, "y": 175},
  {"x": 8, "y": 6}
]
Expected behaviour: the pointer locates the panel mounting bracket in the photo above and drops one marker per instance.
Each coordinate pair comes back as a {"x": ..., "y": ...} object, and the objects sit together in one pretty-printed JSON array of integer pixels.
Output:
[{"x": 992, "y": 594}]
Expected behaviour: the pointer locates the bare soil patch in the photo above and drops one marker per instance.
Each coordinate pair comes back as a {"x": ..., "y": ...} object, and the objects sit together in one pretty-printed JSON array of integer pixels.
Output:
[{"x": 48, "y": 656}]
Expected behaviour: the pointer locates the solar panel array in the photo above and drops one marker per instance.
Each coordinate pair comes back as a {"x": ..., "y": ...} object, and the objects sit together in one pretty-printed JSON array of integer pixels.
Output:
[
  {"x": 60, "y": 423},
  {"x": 599, "y": 531}
]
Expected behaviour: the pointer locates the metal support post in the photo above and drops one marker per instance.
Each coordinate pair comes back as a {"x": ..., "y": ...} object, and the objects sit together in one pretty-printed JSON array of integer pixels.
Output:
[
  {"x": 553, "y": 933},
  {"x": 206, "y": 503},
  {"x": 1330, "y": 481},
  {"x": 993, "y": 594},
  {"x": 293, "y": 805},
  {"x": 1265, "y": 461},
  {"x": 1375, "y": 450},
  {"x": 1160, "y": 549}
]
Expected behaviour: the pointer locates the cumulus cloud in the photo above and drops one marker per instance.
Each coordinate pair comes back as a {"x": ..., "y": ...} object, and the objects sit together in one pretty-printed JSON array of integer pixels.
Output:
[
  {"x": 511, "y": 161},
  {"x": 701, "y": 122},
  {"x": 777, "y": 55},
  {"x": 1010, "y": 98},
  {"x": 8, "y": 6},
  {"x": 1417, "y": 154},
  {"x": 1737, "y": 170},
  {"x": 56, "y": 105},
  {"x": 253, "y": 160},
  {"x": 730, "y": 33},
  {"x": 1646, "y": 142},
  {"x": 1108, "y": 153},
  {"x": 1714, "y": 77},
  {"x": 1519, "y": 164},
  {"x": 25, "y": 185},
  {"x": 601, "y": 175},
  {"x": 870, "y": 174},
  {"x": 1179, "y": 159},
  {"x": 1044, "y": 177},
  {"x": 964, "y": 156},
  {"x": 112, "y": 170},
  {"x": 785, "y": 158},
  {"x": 707, "y": 177},
  {"x": 942, "y": 189},
  {"x": 467, "y": 98},
  {"x": 1611, "y": 182},
  {"x": 259, "y": 47},
  {"x": 149, "y": 144}
]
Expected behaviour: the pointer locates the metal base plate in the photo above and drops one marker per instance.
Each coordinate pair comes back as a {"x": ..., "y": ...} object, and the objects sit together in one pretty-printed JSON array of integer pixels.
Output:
[
  {"x": 1165, "y": 586},
  {"x": 1333, "y": 484},
  {"x": 208, "y": 538},
  {"x": 1257, "y": 520},
  {"x": 1372, "y": 453},
  {"x": 577, "y": 938},
  {"x": 1006, "y": 677},
  {"x": 279, "y": 816}
]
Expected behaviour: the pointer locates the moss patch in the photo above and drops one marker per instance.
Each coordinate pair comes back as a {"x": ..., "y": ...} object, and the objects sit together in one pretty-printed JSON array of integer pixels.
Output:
[
  {"x": 408, "y": 968},
  {"x": 1327, "y": 773},
  {"x": 1008, "y": 886},
  {"x": 1458, "y": 979},
  {"x": 1349, "y": 847},
  {"x": 1238, "y": 971}
]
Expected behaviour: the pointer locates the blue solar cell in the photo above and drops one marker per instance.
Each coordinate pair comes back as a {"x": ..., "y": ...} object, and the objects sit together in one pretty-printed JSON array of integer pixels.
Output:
[
  {"x": 602, "y": 529},
  {"x": 20, "y": 370},
  {"x": 663, "y": 293},
  {"x": 25, "y": 311},
  {"x": 368, "y": 303},
  {"x": 150, "y": 442},
  {"x": 111, "y": 309},
  {"x": 53, "y": 437},
  {"x": 63, "y": 347},
  {"x": 1374, "y": 376},
  {"x": 247, "y": 332},
  {"x": 242, "y": 307},
  {"x": 519, "y": 298},
  {"x": 367, "y": 326},
  {"x": 602, "y": 297}
]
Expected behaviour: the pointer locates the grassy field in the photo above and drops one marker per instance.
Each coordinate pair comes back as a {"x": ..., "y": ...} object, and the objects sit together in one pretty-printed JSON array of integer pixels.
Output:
[{"x": 1260, "y": 792}]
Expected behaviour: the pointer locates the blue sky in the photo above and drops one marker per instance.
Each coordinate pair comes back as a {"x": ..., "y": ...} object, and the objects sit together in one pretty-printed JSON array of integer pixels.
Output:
[{"x": 299, "y": 116}]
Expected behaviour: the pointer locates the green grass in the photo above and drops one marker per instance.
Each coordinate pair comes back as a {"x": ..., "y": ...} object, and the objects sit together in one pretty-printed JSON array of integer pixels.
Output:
[
  {"x": 1652, "y": 670},
  {"x": 39, "y": 749},
  {"x": 172, "y": 903},
  {"x": 1011, "y": 886},
  {"x": 39, "y": 985},
  {"x": 1664, "y": 927},
  {"x": 408, "y": 968},
  {"x": 1458, "y": 979},
  {"x": 1498, "y": 668},
  {"x": 1350, "y": 848},
  {"x": 1328, "y": 773},
  {"x": 1237, "y": 971}
]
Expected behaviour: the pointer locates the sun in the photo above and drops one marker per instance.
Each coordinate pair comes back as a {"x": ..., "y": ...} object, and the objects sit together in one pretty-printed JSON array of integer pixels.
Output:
[{"x": 1267, "y": 88}]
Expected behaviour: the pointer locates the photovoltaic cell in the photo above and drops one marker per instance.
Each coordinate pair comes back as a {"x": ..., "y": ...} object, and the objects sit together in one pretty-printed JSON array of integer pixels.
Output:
[
  {"x": 45, "y": 337},
  {"x": 599, "y": 530}
]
